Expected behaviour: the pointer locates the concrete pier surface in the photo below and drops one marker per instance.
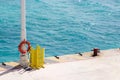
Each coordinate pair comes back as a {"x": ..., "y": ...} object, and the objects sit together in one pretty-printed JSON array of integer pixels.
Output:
[{"x": 106, "y": 66}]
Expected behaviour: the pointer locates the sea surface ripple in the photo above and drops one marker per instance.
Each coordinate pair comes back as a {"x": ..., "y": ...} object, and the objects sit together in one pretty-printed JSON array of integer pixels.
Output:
[{"x": 60, "y": 26}]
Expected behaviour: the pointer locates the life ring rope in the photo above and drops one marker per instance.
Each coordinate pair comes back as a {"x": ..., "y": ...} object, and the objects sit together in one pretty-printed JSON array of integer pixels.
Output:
[{"x": 20, "y": 47}]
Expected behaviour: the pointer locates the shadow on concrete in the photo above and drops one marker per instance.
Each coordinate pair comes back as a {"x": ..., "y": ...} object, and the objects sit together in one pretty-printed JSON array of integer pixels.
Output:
[{"x": 18, "y": 67}]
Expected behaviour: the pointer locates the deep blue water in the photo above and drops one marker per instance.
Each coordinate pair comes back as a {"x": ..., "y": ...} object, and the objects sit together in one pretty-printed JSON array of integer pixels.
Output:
[{"x": 60, "y": 26}]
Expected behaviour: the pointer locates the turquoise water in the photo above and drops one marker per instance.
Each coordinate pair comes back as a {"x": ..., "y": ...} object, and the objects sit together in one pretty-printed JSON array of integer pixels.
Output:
[{"x": 60, "y": 26}]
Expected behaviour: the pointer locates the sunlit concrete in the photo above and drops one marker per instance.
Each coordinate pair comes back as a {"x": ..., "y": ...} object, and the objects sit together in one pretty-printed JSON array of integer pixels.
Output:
[{"x": 106, "y": 67}]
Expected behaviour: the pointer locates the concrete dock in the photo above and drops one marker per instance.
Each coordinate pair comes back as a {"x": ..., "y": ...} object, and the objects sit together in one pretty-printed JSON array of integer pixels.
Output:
[{"x": 106, "y": 66}]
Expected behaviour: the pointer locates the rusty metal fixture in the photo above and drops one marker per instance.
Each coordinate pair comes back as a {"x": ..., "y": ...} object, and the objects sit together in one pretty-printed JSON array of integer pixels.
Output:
[
  {"x": 95, "y": 52},
  {"x": 80, "y": 54},
  {"x": 56, "y": 57}
]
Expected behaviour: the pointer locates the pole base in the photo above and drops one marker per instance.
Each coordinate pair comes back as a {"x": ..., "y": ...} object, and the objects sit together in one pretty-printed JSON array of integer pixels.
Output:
[{"x": 24, "y": 60}]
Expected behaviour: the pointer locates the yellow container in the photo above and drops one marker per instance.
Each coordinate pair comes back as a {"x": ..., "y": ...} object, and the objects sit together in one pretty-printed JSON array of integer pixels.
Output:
[
  {"x": 37, "y": 57},
  {"x": 32, "y": 57},
  {"x": 42, "y": 57}
]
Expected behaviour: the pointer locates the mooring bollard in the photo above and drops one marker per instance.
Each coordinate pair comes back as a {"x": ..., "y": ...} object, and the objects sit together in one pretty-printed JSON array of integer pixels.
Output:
[{"x": 95, "y": 52}]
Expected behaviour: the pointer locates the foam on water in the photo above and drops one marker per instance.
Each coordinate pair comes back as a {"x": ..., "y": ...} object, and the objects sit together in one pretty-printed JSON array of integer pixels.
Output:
[{"x": 61, "y": 26}]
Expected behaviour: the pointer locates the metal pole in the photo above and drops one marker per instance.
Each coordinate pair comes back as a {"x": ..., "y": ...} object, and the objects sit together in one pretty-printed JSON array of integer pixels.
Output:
[
  {"x": 23, "y": 20},
  {"x": 23, "y": 57}
]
